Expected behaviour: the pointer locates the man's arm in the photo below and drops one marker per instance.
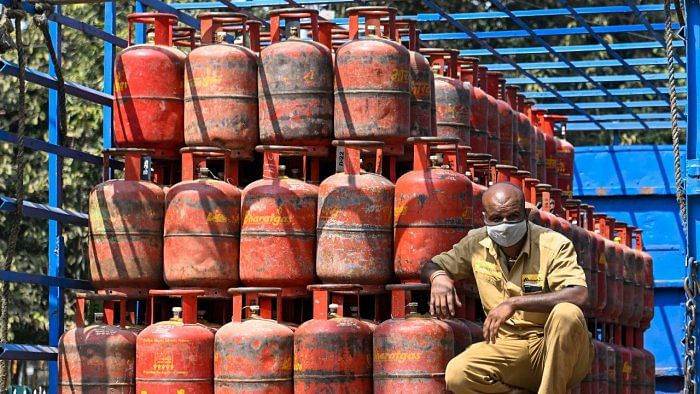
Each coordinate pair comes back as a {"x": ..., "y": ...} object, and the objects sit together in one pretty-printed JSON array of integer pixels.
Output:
[{"x": 543, "y": 303}]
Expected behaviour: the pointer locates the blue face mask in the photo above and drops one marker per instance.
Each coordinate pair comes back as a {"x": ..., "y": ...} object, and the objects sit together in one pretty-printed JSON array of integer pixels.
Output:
[{"x": 507, "y": 234}]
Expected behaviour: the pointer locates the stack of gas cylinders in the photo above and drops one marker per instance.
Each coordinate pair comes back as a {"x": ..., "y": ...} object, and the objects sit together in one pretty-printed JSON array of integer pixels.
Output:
[{"x": 307, "y": 280}]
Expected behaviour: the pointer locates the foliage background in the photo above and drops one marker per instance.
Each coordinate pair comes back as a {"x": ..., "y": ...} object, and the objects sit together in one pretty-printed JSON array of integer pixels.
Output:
[{"x": 82, "y": 62}]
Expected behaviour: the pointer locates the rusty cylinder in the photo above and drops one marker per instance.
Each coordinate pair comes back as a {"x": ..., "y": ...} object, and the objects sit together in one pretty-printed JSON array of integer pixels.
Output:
[
  {"x": 221, "y": 92},
  {"x": 100, "y": 355},
  {"x": 355, "y": 221},
  {"x": 295, "y": 84},
  {"x": 372, "y": 85},
  {"x": 255, "y": 354},
  {"x": 411, "y": 351},
  {"x": 332, "y": 353},
  {"x": 202, "y": 225},
  {"x": 432, "y": 210}
]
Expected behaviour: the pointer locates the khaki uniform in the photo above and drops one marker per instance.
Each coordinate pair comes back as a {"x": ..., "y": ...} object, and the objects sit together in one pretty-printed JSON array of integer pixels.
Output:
[{"x": 544, "y": 352}]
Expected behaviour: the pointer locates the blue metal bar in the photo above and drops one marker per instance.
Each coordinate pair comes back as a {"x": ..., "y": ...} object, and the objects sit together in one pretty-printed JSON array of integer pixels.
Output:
[
  {"x": 49, "y": 81},
  {"x": 459, "y": 26},
  {"x": 43, "y": 146},
  {"x": 553, "y": 31},
  {"x": 598, "y": 78},
  {"x": 9, "y": 351},
  {"x": 610, "y": 105},
  {"x": 599, "y": 93},
  {"x": 564, "y": 63},
  {"x": 45, "y": 280},
  {"x": 642, "y": 18},
  {"x": 559, "y": 56},
  {"x": 140, "y": 29},
  {"x": 585, "y": 126},
  {"x": 692, "y": 175},
  {"x": 44, "y": 211},
  {"x": 56, "y": 246},
  {"x": 110, "y": 23},
  {"x": 622, "y": 46},
  {"x": 581, "y": 21},
  {"x": 610, "y": 117}
]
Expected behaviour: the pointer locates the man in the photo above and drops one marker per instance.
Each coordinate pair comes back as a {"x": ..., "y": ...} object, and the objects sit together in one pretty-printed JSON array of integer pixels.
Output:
[{"x": 531, "y": 288}]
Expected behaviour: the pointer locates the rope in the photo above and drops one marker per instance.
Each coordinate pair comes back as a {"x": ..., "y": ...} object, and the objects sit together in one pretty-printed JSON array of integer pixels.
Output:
[
  {"x": 675, "y": 130},
  {"x": 17, "y": 14}
]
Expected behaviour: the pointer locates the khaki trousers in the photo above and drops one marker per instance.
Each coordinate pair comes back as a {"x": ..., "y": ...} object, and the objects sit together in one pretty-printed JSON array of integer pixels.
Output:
[{"x": 547, "y": 364}]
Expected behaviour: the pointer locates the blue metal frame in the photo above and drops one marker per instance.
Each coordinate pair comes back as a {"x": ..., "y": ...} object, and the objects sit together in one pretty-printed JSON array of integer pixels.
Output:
[{"x": 604, "y": 105}]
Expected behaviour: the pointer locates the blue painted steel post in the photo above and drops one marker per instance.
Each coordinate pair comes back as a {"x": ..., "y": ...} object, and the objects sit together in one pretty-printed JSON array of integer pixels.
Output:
[
  {"x": 693, "y": 143},
  {"x": 110, "y": 21},
  {"x": 56, "y": 256},
  {"x": 140, "y": 29}
]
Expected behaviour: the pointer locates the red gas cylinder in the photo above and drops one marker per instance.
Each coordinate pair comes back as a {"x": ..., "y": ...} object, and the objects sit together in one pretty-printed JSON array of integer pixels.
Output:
[
  {"x": 372, "y": 86},
  {"x": 648, "y": 311},
  {"x": 494, "y": 90},
  {"x": 623, "y": 368},
  {"x": 507, "y": 125},
  {"x": 280, "y": 211},
  {"x": 100, "y": 355},
  {"x": 148, "y": 90},
  {"x": 493, "y": 117},
  {"x": 524, "y": 138},
  {"x": 452, "y": 100},
  {"x": 355, "y": 221},
  {"x": 125, "y": 242},
  {"x": 623, "y": 236},
  {"x": 540, "y": 148},
  {"x": 512, "y": 101},
  {"x": 295, "y": 84},
  {"x": 253, "y": 353},
  {"x": 649, "y": 371},
  {"x": 480, "y": 170},
  {"x": 221, "y": 92},
  {"x": 597, "y": 263},
  {"x": 599, "y": 371},
  {"x": 411, "y": 351},
  {"x": 638, "y": 363},
  {"x": 432, "y": 210},
  {"x": 178, "y": 354},
  {"x": 421, "y": 79},
  {"x": 527, "y": 110},
  {"x": 550, "y": 149},
  {"x": 565, "y": 159},
  {"x": 332, "y": 353},
  {"x": 479, "y": 136},
  {"x": 202, "y": 225}
]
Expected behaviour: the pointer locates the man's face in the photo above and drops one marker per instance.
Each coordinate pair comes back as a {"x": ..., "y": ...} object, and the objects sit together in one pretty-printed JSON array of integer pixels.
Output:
[{"x": 501, "y": 207}]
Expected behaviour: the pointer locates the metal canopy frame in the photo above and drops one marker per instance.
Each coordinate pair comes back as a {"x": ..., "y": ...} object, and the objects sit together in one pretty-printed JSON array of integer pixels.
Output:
[{"x": 602, "y": 106}]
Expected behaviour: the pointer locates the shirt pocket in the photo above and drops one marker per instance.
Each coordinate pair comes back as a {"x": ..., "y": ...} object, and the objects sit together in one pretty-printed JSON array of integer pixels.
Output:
[{"x": 532, "y": 284}]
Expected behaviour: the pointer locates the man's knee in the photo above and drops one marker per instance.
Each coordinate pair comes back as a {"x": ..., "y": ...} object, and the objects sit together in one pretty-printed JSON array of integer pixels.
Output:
[
  {"x": 567, "y": 314},
  {"x": 455, "y": 375}
]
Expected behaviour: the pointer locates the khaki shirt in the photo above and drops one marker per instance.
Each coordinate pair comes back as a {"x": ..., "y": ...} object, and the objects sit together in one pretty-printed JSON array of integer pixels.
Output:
[{"x": 547, "y": 263}]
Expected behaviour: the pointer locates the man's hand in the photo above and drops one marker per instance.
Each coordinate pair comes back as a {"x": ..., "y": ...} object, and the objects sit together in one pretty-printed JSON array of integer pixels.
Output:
[
  {"x": 443, "y": 297},
  {"x": 496, "y": 317}
]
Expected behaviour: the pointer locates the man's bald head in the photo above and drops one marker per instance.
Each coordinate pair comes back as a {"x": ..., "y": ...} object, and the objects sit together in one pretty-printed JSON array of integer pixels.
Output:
[{"x": 503, "y": 201}]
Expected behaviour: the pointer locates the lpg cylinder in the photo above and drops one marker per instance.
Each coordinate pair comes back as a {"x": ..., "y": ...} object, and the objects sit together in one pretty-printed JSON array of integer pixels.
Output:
[
  {"x": 372, "y": 85},
  {"x": 125, "y": 242},
  {"x": 355, "y": 221},
  {"x": 622, "y": 236},
  {"x": 202, "y": 225},
  {"x": 540, "y": 144},
  {"x": 469, "y": 74},
  {"x": 255, "y": 354},
  {"x": 512, "y": 101},
  {"x": 565, "y": 160},
  {"x": 295, "y": 84},
  {"x": 452, "y": 100},
  {"x": 527, "y": 110},
  {"x": 494, "y": 120},
  {"x": 332, "y": 353},
  {"x": 638, "y": 369},
  {"x": 600, "y": 368},
  {"x": 278, "y": 233},
  {"x": 494, "y": 90},
  {"x": 100, "y": 356},
  {"x": 507, "y": 125},
  {"x": 175, "y": 355},
  {"x": 411, "y": 351},
  {"x": 526, "y": 148},
  {"x": 432, "y": 210},
  {"x": 550, "y": 148},
  {"x": 221, "y": 92},
  {"x": 148, "y": 90}
]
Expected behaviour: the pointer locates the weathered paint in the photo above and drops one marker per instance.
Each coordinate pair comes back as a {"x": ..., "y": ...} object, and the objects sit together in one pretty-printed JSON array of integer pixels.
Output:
[
  {"x": 278, "y": 230},
  {"x": 221, "y": 91},
  {"x": 372, "y": 84},
  {"x": 148, "y": 91},
  {"x": 254, "y": 355},
  {"x": 125, "y": 240},
  {"x": 176, "y": 355},
  {"x": 355, "y": 210},
  {"x": 202, "y": 231},
  {"x": 99, "y": 357},
  {"x": 295, "y": 87},
  {"x": 432, "y": 211}
]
